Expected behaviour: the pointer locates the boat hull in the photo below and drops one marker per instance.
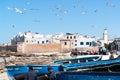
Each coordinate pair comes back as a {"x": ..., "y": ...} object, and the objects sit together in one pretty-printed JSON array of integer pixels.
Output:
[
  {"x": 93, "y": 72},
  {"x": 87, "y": 58},
  {"x": 19, "y": 72},
  {"x": 88, "y": 76}
]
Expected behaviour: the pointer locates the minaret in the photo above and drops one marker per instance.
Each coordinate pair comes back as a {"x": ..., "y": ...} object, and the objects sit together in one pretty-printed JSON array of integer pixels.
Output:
[{"x": 105, "y": 36}]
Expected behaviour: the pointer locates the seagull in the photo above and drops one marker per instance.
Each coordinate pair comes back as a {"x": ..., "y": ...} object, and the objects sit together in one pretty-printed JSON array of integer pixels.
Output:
[
  {"x": 13, "y": 26},
  {"x": 96, "y": 10},
  {"x": 83, "y": 12},
  {"x": 36, "y": 20},
  {"x": 110, "y": 4}
]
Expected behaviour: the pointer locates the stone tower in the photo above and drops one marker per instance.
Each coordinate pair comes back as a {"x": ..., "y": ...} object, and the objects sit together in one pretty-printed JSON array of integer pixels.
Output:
[{"x": 105, "y": 36}]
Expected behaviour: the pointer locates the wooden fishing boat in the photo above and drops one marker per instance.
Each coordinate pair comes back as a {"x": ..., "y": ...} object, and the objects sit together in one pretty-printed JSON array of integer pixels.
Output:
[
  {"x": 94, "y": 70},
  {"x": 81, "y": 59}
]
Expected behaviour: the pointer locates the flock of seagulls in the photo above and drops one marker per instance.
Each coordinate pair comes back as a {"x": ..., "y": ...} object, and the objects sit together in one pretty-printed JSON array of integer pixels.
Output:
[{"x": 58, "y": 11}]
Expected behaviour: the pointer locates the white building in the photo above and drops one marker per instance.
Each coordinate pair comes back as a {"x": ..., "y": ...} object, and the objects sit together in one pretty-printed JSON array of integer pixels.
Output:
[
  {"x": 81, "y": 41},
  {"x": 78, "y": 40},
  {"x": 71, "y": 36},
  {"x": 37, "y": 38},
  {"x": 30, "y": 38},
  {"x": 57, "y": 37}
]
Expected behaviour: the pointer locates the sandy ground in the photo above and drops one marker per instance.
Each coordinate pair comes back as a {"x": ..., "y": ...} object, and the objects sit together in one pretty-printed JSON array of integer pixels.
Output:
[{"x": 3, "y": 76}]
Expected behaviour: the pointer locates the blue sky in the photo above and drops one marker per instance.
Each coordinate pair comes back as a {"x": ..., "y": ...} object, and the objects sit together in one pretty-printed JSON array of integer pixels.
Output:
[{"x": 87, "y": 17}]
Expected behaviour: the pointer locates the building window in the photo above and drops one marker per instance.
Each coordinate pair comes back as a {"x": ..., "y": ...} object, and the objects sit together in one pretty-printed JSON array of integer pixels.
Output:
[
  {"x": 75, "y": 40},
  {"x": 74, "y": 37},
  {"x": 65, "y": 43},
  {"x": 90, "y": 43},
  {"x": 26, "y": 41},
  {"x": 81, "y": 43},
  {"x": 42, "y": 42},
  {"x": 75, "y": 44},
  {"x": 87, "y": 43},
  {"x": 70, "y": 37},
  {"x": 38, "y": 42},
  {"x": 46, "y": 41},
  {"x": 67, "y": 37}
]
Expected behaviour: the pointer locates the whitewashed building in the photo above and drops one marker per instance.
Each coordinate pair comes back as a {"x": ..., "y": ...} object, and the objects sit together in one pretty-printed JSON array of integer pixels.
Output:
[
  {"x": 57, "y": 37},
  {"x": 81, "y": 41},
  {"x": 37, "y": 38},
  {"x": 78, "y": 40},
  {"x": 30, "y": 38}
]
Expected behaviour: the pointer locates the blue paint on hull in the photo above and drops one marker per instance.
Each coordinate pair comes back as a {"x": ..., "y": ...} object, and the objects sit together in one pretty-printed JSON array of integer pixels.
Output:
[
  {"x": 42, "y": 69},
  {"x": 16, "y": 70},
  {"x": 21, "y": 70},
  {"x": 88, "y": 76},
  {"x": 91, "y": 64}
]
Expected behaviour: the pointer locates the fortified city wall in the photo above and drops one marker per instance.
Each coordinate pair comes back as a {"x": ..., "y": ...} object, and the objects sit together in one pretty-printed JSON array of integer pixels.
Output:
[{"x": 37, "y": 48}]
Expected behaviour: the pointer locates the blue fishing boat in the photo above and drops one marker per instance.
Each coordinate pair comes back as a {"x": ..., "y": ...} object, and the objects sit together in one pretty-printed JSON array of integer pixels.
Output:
[
  {"x": 92, "y": 65},
  {"x": 43, "y": 69},
  {"x": 81, "y": 59},
  {"x": 100, "y": 70},
  {"x": 18, "y": 72},
  {"x": 88, "y": 76}
]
